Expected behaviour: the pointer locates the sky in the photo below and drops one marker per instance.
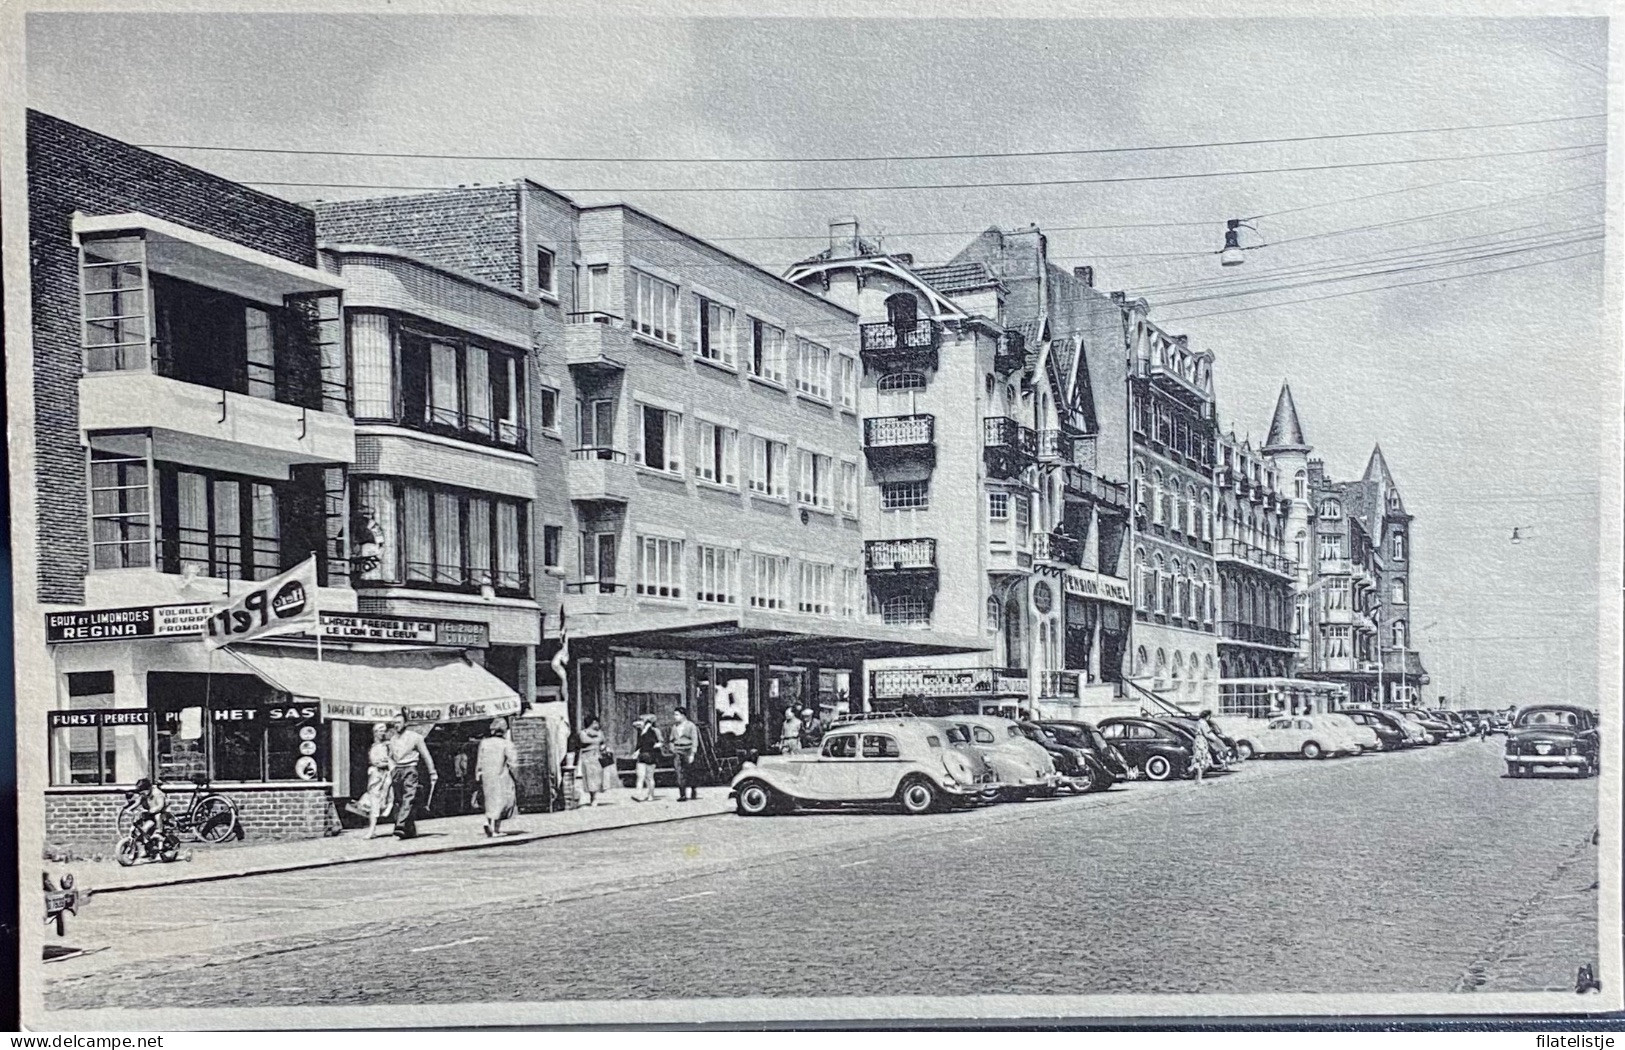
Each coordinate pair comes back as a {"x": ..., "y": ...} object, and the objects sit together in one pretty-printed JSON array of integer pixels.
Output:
[{"x": 1491, "y": 395}]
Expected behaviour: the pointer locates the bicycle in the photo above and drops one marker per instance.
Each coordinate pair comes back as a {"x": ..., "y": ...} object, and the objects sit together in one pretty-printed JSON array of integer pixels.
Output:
[{"x": 208, "y": 815}]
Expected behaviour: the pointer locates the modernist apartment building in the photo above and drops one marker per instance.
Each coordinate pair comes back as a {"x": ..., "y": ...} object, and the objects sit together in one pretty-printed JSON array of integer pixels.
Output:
[
  {"x": 193, "y": 433},
  {"x": 697, "y": 427},
  {"x": 1174, "y": 447},
  {"x": 980, "y": 488}
]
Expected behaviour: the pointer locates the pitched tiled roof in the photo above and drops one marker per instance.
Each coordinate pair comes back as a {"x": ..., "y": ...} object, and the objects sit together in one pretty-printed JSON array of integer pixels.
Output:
[
  {"x": 952, "y": 278},
  {"x": 1029, "y": 331}
]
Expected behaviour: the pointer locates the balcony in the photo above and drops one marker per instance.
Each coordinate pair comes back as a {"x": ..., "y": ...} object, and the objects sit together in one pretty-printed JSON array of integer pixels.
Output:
[
  {"x": 921, "y": 682},
  {"x": 588, "y": 598},
  {"x": 596, "y": 341},
  {"x": 600, "y": 475},
  {"x": 1084, "y": 485},
  {"x": 1010, "y": 354},
  {"x": 1230, "y": 549},
  {"x": 1060, "y": 685},
  {"x": 1008, "y": 448},
  {"x": 1253, "y": 634},
  {"x": 891, "y": 439},
  {"x": 888, "y": 347},
  {"x": 901, "y": 564},
  {"x": 1055, "y": 446},
  {"x": 1057, "y": 547}
]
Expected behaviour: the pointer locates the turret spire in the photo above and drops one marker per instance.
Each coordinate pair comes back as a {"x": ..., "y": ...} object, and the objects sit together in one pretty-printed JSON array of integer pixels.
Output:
[{"x": 1286, "y": 433}]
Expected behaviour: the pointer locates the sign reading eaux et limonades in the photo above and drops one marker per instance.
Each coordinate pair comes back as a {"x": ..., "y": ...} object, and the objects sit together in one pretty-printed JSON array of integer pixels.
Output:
[{"x": 179, "y": 621}]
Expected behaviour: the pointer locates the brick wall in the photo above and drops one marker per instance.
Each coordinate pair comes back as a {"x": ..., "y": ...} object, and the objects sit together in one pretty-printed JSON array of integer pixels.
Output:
[
  {"x": 86, "y": 820},
  {"x": 72, "y": 169},
  {"x": 473, "y": 230}
]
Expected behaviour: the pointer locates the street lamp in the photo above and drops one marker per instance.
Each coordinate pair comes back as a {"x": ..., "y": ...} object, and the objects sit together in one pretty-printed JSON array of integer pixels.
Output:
[{"x": 1231, "y": 253}]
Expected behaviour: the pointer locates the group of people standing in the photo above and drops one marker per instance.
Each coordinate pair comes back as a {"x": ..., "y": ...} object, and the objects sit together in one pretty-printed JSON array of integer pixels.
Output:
[
  {"x": 595, "y": 764},
  {"x": 800, "y": 732},
  {"x": 398, "y": 756}
]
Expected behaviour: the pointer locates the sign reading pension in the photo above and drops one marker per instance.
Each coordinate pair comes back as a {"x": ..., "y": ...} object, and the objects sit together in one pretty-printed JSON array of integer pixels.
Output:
[
  {"x": 152, "y": 621},
  {"x": 1085, "y": 584}
]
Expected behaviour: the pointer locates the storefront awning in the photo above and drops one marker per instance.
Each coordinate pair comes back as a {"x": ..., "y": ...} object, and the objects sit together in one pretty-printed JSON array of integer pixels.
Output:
[
  {"x": 377, "y": 686},
  {"x": 752, "y": 635}
]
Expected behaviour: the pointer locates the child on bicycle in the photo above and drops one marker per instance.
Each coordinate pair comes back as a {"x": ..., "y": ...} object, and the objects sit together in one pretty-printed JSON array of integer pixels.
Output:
[{"x": 152, "y": 808}]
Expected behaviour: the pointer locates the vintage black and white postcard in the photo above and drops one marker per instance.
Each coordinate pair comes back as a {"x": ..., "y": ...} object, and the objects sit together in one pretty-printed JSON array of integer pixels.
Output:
[{"x": 564, "y": 513}]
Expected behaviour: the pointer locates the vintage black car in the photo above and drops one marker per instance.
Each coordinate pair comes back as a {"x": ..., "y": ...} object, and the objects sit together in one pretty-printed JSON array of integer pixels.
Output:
[
  {"x": 1084, "y": 735},
  {"x": 1078, "y": 774},
  {"x": 1553, "y": 737},
  {"x": 1159, "y": 751},
  {"x": 1389, "y": 732}
]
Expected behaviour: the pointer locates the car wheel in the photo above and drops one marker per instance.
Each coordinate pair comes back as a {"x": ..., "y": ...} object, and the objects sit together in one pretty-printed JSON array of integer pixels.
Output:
[
  {"x": 1244, "y": 748},
  {"x": 917, "y": 795},
  {"x": 1088, "y": 780},
  {"x": 753, "y": 798},
  {"x": 1310, "y": 749},
  {"x": 1158, "y": 767}
]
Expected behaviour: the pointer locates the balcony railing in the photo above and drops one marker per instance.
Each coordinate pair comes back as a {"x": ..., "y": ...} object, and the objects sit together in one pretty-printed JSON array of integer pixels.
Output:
[
  {"x": 1008, "y": 448},
  {"x": 899, "y": 431},
  {"x": 886, "y": 345},
  {"x": 1238, "y": 631},
  {"x": 594, "y": 317},
  {"x": 1240, "y": 550},
  {"x": 1057, "y": 547},
  {"x": 1060, "y": 684},
  {"x": 1010, "y": 354},
  {"x": 1081, "y": 484},
  {"x": 599, "y": 453},
  {"x": 912, "y": 557},
  {"x": 1055, "y": 446},
  {"x": 595, "y": 587},
  {"x": 904, "y": 682}
]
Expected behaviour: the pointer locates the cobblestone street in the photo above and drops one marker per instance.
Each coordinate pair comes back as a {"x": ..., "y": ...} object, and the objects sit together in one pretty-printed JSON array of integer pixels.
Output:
[{"x": 1422, "y": 871}]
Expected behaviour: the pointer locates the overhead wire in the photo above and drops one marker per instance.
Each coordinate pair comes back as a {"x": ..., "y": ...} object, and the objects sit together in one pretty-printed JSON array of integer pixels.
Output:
[{"x": 877, "y": 158}]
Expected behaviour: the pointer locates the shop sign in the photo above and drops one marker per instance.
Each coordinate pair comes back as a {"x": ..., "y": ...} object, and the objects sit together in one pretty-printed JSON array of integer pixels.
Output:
[
  {"x": 1082, "y": 583},
  {"x": 151, "y": 621},
  {"x": 457, "y": 711},
  {"x": 276, "y": 714},
  {"x": 404, "y": 630},
  {"x": 136, "y": 716}
]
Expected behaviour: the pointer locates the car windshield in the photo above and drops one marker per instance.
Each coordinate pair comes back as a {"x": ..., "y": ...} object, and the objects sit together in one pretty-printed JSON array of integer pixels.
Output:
[{"x": 1548, "y": 716}]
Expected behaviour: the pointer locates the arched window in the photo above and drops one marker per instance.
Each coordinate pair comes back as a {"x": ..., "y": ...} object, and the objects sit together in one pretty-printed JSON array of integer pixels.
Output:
[
  {"x": 1300, "y": 548},
  {"x": 1139, "y": 486},
  {"x": 1300, "y": 485},
  {"x": 903, "y": 311},
  {"x": 1159, "y": 497},
  {"x": 1398, "y": 545},
  {"x": 1164, "y": 590},
  {"x": 1330, "y": 509},
  {"x": 1184, "y": 592},
  {"x": 897, "y": 382},
  {"x": 1142, "y": 662},
  {"x": 995, "y": 613},
  {"x": 1148, "y": 580},
  {"x": 1194, "y": 525},
  {"x": 1209, "y": 666},
  {"x": 1179, "y": 666},
  {"x": 1401, "y": 636},
  {"x": 1161, "y": 668},
  {"x": 1398, "y": 592},
  {"x": 1207, "y": 516},
  {"x": 1180, "y": 518},
  {"x": 1207, "y": 595},
  {"x": 1014, "y": 654}
]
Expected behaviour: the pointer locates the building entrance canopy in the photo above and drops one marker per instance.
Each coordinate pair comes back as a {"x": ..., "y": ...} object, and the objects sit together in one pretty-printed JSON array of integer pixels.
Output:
[
  {"x": 752, "y": 637},
  {"x": 427, "y": 687}
]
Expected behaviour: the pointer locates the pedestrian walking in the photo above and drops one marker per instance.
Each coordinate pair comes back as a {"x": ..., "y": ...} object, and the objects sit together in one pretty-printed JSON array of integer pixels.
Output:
[
  {"x": 380, "y": 794},
  {"x": 685, "y": 747},
  {"x": 647, "y": 747},
  {"x": 407, "y": 749},
  {"x": 1200, "y": 758},
  {"x": 790, "y": 733},
  {"x": 589, "y": 761},
  {"x": 496, "y": 767},
  {"x": 812, "y": 730}
]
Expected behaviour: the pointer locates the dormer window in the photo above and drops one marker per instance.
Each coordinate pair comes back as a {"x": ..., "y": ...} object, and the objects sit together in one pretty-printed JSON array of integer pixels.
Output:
[{"x": 1331, "y": 510}]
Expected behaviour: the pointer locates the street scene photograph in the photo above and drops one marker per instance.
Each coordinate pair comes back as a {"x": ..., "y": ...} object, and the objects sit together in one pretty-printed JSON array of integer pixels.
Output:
[{"x": 570, "y": 517}]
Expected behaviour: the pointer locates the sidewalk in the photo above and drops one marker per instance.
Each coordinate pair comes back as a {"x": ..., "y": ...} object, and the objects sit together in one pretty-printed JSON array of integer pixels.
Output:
[{"x": 439, "y": 835}]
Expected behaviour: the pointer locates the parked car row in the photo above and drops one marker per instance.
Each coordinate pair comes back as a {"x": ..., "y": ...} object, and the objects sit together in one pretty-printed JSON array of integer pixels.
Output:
[{"x": 1350, "y": 731}]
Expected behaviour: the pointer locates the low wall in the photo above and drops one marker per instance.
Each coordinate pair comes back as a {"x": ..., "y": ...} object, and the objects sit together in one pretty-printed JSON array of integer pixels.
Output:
[{"x": 85, "y": 819}]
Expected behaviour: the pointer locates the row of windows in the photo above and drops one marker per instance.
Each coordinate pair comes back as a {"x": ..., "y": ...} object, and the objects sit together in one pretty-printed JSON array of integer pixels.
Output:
[
  {"x": 1159, "y": 664},
  {"x": 1185, "y": 511},
  {"x": 661, "y": 568},
  {"x": 1172, "y": 589},
  {"x": 820, "y": 482},
  {"x": 1159, "y": 421}
]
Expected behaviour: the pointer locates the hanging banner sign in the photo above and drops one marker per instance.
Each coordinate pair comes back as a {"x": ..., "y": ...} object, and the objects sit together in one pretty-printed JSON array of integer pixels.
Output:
[
  {"x": 151, "y": 621},
  {"x": 284, "y": 604},
  {"x": 1082, "y": 583}
]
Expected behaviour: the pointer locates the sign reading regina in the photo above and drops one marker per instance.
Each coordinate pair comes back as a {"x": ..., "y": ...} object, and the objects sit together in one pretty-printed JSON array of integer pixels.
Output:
[{"x": 284, "y": 604}]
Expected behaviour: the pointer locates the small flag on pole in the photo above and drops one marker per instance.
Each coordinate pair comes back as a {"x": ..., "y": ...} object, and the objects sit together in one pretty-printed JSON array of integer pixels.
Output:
[{"x": 284, "y": 604}]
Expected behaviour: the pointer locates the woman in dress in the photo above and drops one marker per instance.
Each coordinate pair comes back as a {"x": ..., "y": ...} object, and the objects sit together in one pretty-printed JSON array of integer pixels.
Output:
[
  {"x": 1201, "y": 759},
  {"x": 379, "y": 798},
  {"x": 497, "y": 770},
  {"x": 648, "y": 752},
  {"x": 592, "y": 772}
]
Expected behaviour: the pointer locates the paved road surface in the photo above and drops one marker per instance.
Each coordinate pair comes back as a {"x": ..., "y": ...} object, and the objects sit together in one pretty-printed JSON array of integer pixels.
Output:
[{"x": 1422, "y": 871}]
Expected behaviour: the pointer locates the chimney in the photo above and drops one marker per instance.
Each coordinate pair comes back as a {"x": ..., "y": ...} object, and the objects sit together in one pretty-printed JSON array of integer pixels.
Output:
[
  {"x": 1086, "y": 274},
  {"x": 1119, "y": 297},
  {"x": 843, "y": 237}
]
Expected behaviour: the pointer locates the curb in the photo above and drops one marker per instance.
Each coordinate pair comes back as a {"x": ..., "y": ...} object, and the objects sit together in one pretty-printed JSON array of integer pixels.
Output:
[{"x": 334, "y": 862}]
